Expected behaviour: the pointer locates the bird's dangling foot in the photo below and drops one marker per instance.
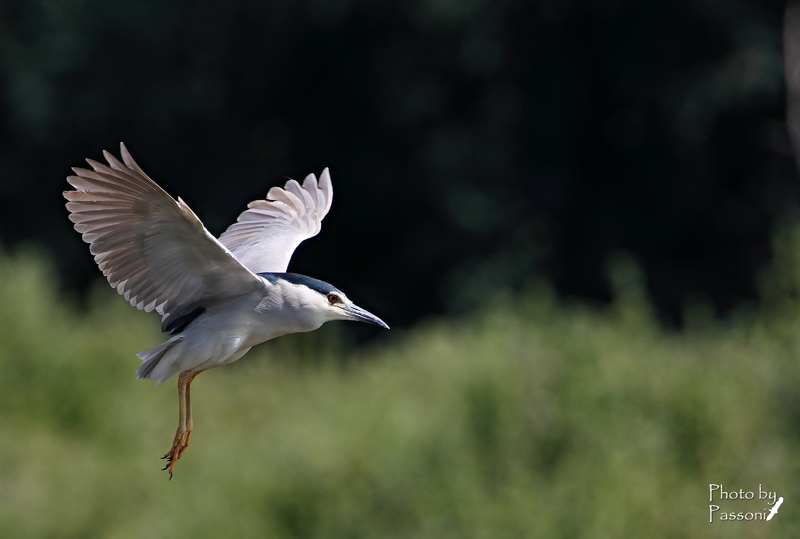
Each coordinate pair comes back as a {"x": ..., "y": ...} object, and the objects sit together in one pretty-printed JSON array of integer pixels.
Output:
[
  {"x": 185, "y": 424},
  {"x": 179, "y": 445}
]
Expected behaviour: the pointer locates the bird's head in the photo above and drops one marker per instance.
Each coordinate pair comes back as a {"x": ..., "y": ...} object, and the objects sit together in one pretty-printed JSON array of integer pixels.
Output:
[{"x": 322, "y": 301}]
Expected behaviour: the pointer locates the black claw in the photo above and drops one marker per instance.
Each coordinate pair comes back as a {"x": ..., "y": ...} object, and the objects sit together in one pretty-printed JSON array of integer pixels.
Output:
[
  {"x": 165, "y": 456},
  {"x": 165, "y": 467},
  {"x": 170, "y": 476}
]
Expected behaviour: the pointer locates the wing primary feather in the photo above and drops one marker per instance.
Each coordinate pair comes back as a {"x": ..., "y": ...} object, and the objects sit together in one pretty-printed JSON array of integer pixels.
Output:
[
  {"x": 310, "y": 184},
  {"x": 310, "y": 202},
  {"x": 126, "y": 157},
  {"x": 327, "y": 189}
]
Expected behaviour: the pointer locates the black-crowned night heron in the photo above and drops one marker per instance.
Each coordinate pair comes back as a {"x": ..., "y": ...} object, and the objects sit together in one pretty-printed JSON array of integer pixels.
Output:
[{"x": 217, "y": 297}]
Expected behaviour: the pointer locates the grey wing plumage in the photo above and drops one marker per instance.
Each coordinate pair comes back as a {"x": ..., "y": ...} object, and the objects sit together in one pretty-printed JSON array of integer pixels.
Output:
[
  {"x": 265, "y": 235},
  {"x": 152, "y": 248}
]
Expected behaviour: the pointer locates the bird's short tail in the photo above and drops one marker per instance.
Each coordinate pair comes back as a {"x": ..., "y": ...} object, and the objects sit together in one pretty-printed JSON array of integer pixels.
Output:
[{"x": 152, "y": 356}]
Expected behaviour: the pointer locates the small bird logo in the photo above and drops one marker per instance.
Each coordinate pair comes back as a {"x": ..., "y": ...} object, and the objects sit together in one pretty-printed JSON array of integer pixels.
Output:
[{"x": 774, "y": 509}]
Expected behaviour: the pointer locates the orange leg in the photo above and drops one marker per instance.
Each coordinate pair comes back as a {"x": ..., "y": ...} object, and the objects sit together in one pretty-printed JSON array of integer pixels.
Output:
[{"x": 185, "y": 423}]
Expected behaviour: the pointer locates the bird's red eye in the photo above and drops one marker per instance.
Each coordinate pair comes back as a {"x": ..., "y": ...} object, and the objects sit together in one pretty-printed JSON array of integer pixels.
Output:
[{"x": 333, "y": 298}]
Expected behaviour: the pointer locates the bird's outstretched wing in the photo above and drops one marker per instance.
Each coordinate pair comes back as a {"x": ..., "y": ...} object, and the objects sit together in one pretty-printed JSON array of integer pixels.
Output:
[
  {"x": 265, "y": 235},
  {"x": 151, "y": 248}
]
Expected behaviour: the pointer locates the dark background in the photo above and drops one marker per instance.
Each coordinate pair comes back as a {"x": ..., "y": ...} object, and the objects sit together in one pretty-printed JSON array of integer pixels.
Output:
[{"x": 473, "y": 144}]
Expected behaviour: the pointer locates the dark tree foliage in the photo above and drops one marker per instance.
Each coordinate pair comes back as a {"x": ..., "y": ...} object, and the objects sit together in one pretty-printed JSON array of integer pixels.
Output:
[{"x": 472, "y": 143}]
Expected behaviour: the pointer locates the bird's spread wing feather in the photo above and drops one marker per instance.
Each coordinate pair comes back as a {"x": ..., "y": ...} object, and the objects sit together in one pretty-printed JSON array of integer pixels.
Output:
[
  {"x": 265, "y": 235},
  {"x": 151, "y": 248}
]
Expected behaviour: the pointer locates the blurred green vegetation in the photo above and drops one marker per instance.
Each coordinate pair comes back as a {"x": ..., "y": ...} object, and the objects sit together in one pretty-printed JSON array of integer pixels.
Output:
[{"x": 531, "y": 418}]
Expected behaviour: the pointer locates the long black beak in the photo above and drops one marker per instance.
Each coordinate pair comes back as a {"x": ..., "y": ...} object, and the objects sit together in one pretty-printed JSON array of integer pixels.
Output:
[{"x": 357, "y": 313}]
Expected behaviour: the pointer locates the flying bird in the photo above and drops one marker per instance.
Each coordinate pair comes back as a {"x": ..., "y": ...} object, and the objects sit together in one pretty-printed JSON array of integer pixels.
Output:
[{"x": 217, "y": 297}]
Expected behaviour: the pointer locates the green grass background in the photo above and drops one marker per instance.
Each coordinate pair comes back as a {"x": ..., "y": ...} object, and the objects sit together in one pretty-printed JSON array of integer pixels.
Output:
[{"x": 531, "y": 418}]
